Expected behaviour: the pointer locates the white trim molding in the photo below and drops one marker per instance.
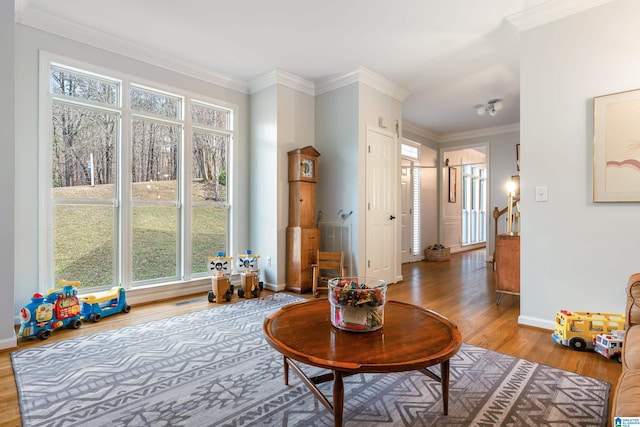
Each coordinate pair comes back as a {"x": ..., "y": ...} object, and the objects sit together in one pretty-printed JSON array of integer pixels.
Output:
[
  {"x": 364, "y": 76},
  {"x": 536, "y": 322},
  {"x": 549, "y": 11},
  {"x": 284, "y": 78},
  {"x": 458, "y": 136},
  {"x": 35, "y": 18},
  {"x": 9, "y": 343},
  {"x": 479, "y": 133},
  {"x": 420, "y": 131}
]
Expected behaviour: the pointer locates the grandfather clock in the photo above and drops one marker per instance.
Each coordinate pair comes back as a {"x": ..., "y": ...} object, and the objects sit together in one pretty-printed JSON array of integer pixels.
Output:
[{"x": 303, "y": 236}]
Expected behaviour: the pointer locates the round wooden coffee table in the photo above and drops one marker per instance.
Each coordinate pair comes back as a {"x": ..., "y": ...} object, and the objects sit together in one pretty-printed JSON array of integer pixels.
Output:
[{"x": 412, "y": 338}]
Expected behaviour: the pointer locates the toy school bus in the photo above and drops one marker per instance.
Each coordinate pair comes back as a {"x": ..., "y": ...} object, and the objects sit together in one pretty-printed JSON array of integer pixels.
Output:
[
  {"x": 579, "y": 329},
  {"x": 60, "y": 308}
]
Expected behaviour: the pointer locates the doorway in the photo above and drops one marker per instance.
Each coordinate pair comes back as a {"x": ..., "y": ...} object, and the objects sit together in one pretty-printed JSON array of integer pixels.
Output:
[{"x": 464, "y": 197}]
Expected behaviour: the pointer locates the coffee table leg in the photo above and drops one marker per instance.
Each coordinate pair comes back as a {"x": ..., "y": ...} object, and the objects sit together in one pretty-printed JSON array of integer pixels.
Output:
[
  {"x": 286, "y": 370},
  {"x": 338, "y": 398},
  {"x": 444, "y": 380}
]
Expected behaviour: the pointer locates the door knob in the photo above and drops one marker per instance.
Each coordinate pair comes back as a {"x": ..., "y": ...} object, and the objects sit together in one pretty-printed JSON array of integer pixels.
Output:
[{"x": 392, "y": 217}]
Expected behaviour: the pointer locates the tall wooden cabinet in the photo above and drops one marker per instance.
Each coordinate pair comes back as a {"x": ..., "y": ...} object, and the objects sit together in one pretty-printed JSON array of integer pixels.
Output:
[{"x": 303, "y": 236}]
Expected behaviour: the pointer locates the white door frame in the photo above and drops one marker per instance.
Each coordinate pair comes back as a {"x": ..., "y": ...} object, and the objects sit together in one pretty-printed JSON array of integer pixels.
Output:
[{"x": 382, "y": 260}]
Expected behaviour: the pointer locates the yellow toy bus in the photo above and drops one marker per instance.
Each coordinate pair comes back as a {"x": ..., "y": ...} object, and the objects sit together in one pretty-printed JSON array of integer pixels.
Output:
[{"x": 578, "y": 329}]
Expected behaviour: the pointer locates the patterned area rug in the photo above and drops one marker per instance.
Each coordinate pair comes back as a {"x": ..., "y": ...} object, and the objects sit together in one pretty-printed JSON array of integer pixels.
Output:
[{"x": 214, "y": 368}]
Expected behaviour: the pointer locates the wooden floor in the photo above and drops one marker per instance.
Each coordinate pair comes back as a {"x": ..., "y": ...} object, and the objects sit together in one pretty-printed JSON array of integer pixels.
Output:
[{"x": 461, "y": 289}]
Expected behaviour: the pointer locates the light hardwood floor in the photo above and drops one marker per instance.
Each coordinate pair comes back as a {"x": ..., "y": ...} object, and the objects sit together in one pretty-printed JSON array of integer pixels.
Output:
[{"x": 461, "y": 289}]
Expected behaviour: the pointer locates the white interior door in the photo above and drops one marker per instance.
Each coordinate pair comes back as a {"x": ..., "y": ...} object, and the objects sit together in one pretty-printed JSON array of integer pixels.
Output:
[{"x": 381, "y": 189}]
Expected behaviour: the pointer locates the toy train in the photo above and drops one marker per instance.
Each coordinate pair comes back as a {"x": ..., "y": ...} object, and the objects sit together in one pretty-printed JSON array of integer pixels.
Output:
[
  {"x": 101, "y": 304},
  {"x": 59, "y": 309},
  {"x": 62, "y": 308}
]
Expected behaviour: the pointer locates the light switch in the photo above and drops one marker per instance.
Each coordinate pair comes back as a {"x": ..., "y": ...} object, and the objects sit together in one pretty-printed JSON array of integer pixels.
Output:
[{"x": 541, "y": 194}]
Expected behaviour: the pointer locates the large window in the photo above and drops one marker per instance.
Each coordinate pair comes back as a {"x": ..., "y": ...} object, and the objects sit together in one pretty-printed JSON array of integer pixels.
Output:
[{"x": 138, "y": 180}]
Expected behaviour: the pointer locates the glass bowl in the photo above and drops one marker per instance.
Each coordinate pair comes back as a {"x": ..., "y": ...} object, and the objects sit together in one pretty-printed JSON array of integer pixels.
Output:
[{"x": 357, "y": 303}]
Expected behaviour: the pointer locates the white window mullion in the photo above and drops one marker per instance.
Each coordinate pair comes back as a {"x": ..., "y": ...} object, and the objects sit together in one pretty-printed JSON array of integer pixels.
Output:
[
  {"x": 187, "y": 157},
  {"x": 184, "y": 236},
  {"x": 124, "y": 194}
]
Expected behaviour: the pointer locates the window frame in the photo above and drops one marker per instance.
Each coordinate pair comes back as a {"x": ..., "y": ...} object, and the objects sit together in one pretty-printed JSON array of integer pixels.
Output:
[{"x": 122, "y": 203}]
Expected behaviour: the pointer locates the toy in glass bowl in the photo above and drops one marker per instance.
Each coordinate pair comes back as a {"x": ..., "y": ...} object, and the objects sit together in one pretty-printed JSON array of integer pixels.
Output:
[{"x": 357, "y": 303}]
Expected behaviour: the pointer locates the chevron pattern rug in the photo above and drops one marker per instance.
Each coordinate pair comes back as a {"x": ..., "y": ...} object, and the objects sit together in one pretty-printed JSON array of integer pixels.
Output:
[{"x": 214, "y": 368}]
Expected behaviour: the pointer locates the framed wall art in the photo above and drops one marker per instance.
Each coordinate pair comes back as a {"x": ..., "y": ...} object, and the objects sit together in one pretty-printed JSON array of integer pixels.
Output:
[
  {"x": 616, "y": 147},
  {"x": 452, "y": 185}
]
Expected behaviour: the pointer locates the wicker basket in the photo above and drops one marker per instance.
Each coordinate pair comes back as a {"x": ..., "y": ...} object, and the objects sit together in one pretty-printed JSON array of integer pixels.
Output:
[{"x": 437, "y": 254}]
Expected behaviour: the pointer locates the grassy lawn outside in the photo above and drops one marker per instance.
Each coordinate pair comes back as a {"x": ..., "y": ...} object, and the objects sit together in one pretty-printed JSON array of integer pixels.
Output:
[{"x": 84, "y": 248}]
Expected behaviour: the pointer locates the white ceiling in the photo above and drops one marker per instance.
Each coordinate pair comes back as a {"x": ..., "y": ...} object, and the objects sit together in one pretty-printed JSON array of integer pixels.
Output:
[{"x": 449, "y": 55}]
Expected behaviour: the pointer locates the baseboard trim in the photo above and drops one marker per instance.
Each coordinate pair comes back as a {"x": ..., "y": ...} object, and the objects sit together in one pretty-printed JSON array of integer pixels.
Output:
[
  {"x": 8, "y": 343},
  {"x": 275, "y": 287},
  {"x": 536, "y": 322},
  {"x": 157, "y": 293}
]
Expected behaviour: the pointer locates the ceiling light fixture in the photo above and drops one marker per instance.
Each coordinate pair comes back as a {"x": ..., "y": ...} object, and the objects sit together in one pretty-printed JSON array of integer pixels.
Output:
[{"x": 492, "y": 107}]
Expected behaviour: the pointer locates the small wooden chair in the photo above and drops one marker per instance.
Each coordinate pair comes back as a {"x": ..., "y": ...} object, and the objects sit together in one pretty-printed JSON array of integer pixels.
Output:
[{"x": 327, "y": 266}]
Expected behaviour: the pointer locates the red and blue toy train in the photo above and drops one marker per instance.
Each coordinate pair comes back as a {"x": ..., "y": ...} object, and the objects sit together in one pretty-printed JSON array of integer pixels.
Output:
[{"x": 62, "y": 308}]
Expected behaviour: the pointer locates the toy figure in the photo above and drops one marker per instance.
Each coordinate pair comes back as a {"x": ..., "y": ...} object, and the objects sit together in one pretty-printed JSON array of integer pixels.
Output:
[{"x": 220, "y": 269}]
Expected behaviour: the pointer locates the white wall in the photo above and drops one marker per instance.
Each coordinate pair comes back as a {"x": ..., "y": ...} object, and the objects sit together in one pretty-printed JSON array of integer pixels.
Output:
[
  {"x": 575, "y": 254},
  {"x": 342, "y": 116},
  {"x": 7, "y": 177},
  {"x": 296, "y": 129},
  {"x": 261, "y": 161},
  {"x": 337, "y": 141}
]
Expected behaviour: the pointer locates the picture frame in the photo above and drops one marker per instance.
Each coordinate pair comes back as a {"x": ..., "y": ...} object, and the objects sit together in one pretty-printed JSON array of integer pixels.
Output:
[
  {"x": 452, "y": 184},
  {"x": 616, "y": 147}
]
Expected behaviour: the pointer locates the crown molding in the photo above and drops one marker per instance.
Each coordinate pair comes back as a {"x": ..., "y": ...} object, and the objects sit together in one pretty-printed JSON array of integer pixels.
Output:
[
  {"x": 43, "y": 21},
  {"x": 283, "y": 78},
  {"x": 457, "y": 136},
  {"x": 364, "y": 76},
  {"x": 20, "y": 5},
  {"x": 549, "y": 11},
  {"x": 480, "y": 133},
  {"x": 420, "y": 131},
  {"x": 332, "y": 84}
]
